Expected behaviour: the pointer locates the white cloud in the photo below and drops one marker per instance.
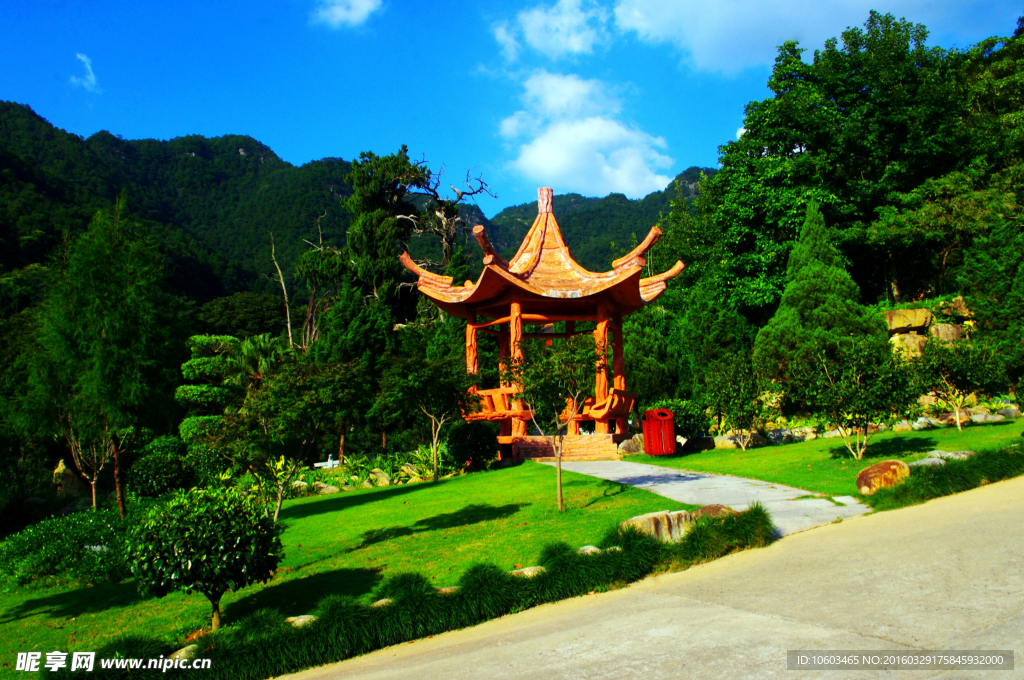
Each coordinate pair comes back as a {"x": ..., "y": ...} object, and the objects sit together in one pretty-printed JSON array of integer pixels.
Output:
[
  {"x": 740, "y": 131},
  {"x": 89, "y": 80},
  {"x": 338, "y": 13},
  {"x": 507, "y": 39},
  {"x": 727, "y": 36},
  {"x": 569, "y": 137},
  {"x": 567, "y": 28}
]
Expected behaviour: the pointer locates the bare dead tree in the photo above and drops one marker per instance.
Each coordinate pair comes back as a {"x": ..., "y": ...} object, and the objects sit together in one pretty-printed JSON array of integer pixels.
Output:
[{"x": 441, "y": 216}]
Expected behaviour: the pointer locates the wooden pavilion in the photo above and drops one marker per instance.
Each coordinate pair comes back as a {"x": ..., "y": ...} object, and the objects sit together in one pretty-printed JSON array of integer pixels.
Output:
[{"x": 542, "y": 284}]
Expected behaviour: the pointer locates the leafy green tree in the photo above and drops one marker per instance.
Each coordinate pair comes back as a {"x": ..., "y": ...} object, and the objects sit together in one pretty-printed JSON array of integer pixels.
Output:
[
  {"x": 110, "y": 340},
  {"x": 552, "y": 378},
  {"x": 733, "y": 389},
  {"x": 856, "y": 384},
  {"x": 204, "y": 541},
  {"x": 819, "y": 311},
  {"x": 291, "y": 418},
  {"x": 955, "y": 370}
]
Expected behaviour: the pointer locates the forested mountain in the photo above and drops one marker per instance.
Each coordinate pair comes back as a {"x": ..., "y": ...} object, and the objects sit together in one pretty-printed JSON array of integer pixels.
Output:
[
  {"x": 593, "y": 227},
  {"x": 217, "y": 202},
  {"x": 229, "y": 194}
]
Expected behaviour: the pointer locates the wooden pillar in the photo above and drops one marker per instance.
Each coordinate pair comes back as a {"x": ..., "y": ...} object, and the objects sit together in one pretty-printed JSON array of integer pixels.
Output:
[
  {"x": 502, "y": 356},
  {"x": 515, "y": 338},
  {"x": 619, "y": 366},
  {"x": 472, "y": 356},
  {"x": 601, "y": 380}
]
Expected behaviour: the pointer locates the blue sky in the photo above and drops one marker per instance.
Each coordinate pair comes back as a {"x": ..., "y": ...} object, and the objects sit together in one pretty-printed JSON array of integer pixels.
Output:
[{"x": 584, "y": 96}]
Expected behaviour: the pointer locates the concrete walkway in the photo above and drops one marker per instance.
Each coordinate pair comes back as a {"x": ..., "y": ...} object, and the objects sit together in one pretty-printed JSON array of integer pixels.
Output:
[
  {"x": 945, "y": 575},
  {"x": 703, "y": 488}
]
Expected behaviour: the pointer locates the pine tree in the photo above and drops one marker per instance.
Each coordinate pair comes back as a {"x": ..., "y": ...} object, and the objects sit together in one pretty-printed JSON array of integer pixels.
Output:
[{"x": 818, "y": 311}]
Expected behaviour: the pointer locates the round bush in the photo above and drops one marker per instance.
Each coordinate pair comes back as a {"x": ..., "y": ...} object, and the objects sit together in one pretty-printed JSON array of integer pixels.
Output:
[
  {"x": 161, "y": 468},
  {"x": 206, "y": 541},
  {"x": 473, "y": 445}
]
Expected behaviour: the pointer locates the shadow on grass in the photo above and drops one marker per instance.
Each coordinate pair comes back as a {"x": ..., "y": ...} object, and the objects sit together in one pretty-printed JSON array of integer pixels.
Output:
[
  {"x": 75, "y": 603},
  {"x": 349, "y": 499},
  {"x": 897, "y": 447},
  {"x": 300, "y": 595},
  {"x": 471, "y": 514},
  {"x": 609, "y": 488}
]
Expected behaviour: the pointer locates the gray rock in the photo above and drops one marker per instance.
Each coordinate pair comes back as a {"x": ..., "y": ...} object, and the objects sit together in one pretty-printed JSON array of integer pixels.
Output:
[
  {"x": 987, "y": 418},
  {"x": 324, "y": 489},
  {"x": 922, "y": 424},
  {"x": 366, "y": 485},
  {"x": 804, "y": 434},
  {"x": 951, "y": 455},
  {"x": 448, "y": 590},
  {"x": 347, "y": 487},
  {"x": 1009, "y": 413},
  {"x": 782, "y": 435},
  {"x": 382, "y": 603},
  {"x": 188, "y": 652},
  {"x": 528, "y": 572},
  {"x": 628, "y": 448},
  {"x": 300, "y": 621},
  {"x": 732, "y": 441},
  {"x": 300, "y": 487},
  {"x": 832, "y": 434},
  {"x": 927, "y": 462},
  {"x": 902, "y": 426},
  {"x": 589, "y": 550}
]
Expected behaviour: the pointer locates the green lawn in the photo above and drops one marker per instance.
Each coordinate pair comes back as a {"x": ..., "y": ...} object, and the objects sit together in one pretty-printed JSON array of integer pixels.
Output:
[
  {"x": 345, "y": 544},
  {"x": 825, "y": 466}
]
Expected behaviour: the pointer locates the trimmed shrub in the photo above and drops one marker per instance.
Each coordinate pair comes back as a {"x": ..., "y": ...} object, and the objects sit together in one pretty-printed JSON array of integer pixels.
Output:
[
  {"x": 204, "y": 541},
  {"x": 262, "y": 645},
  {"x": 473, "y": 445},
  {"x": 161, "y": 469},
  {"x": 87, "y": 546},
  {"x": 926, "y": 482}
]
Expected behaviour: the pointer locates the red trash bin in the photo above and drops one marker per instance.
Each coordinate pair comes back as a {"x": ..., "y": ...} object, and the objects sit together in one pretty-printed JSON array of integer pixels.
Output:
[{"x": 659, "y": 432}]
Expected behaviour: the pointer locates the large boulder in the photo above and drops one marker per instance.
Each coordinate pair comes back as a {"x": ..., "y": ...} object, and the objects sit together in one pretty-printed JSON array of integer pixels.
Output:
[
  {"x": 951, "y": 418},
  {"x": 713, "y": 510},
  {"x": 904, "y": 320},
  {"x": 908, "y": 344},
  {"x": 922, "y": 423},
  {"x": 956, "y": 308},
  {"x": 322, "y": 489},
  {"x": 903, "y": 426},
  {"x": 946, "y": 331},
  {"x": 632, "y": 446},
  {"x": 927, "y": 462},
  {"x": 666, "y": 525},
  {"x": 987, "y": 418},
  {"x": 68, "y": 483},
  {"x": 881, "y": 476},
  {"x": 732, "y": 441},
  {"x": 951, "y": 455},
  {"x": 1010, "y": 412}
]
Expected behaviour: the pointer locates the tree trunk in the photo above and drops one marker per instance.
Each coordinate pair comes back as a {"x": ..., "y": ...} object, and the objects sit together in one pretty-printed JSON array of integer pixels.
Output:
[
  {"x": 558, "y": 473},
  {"x": 215, "y": 620},
  {"x": 92, "y": 483},
  {"x": 119, "y": 482},
  {"x": 280, "y": 501},
  {"x": 956, "y": 411},
  {"x": 433, "y": 450}
]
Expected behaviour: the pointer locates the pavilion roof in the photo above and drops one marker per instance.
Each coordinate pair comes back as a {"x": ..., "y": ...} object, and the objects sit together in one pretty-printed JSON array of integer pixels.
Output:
[{"x": 544, "y": 277}]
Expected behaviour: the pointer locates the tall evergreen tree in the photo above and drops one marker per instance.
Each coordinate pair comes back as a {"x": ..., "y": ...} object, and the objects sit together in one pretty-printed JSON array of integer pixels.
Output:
[{"x": 819, "y": 309}]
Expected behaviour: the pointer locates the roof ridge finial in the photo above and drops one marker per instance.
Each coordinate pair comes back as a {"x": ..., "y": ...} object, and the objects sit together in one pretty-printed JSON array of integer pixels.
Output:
[{"x": 544, "y": 200}]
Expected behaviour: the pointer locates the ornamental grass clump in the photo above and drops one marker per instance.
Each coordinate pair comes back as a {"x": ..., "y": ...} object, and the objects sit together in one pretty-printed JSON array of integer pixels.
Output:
[
  {"x": 927, "y": 482},
  {"x": 205, "y": 541}
]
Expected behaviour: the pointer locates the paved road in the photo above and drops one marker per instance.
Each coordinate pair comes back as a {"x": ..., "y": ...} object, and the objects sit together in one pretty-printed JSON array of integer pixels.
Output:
[
  {"x": 945, "y": 575},
  {"x": 703, "y": 488}
]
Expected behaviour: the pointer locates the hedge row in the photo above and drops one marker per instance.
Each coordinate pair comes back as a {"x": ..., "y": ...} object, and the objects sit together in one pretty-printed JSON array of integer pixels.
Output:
[{"x": 263, "y": 645}]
